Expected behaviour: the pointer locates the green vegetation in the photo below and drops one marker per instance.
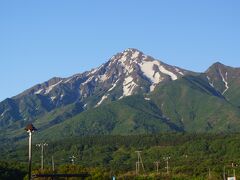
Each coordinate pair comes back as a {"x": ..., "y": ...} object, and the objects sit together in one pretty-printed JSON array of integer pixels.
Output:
[
  {"x": 195, "y": 106},
  {"x": 192, "y": 155},
  {"x": 12, "y": 170},
  {"x": 132, "y": 115}
]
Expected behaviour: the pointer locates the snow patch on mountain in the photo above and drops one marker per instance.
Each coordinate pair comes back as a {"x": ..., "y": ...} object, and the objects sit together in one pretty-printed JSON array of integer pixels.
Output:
[
  {"x": 127, "y": 68},
  {"x": 123, "y": 58},
  {"x": 39, "y": 91},
  {"x": 180, "y": 72},
  {"x": 102, "y": 99},
  {"x": 50, "y": 88},
  {"x": 147, "y": 69},
  {"x": 3, "y": 113},
  {"x": 93, "y": 71},
  {"x": 53, "y": 97},
  {"x": 69, "y": 79},
  {"x": 114, "y": 85},
  {"x": 209, "y": 81},
  {"x": 152, "y": 87},
  {"x": 135, "y": 55},
  {"x": 224, "y": 80},
  {"x": 87, "y": 81},
  {"x": 165, "y": 71},
  {"x": 128, "y": 86},
  {"x": 128, "y": 80}
]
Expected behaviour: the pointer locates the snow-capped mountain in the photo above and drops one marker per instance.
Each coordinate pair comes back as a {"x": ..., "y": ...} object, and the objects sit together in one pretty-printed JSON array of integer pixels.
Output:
[
  {"x": 124, "y": 74},
  {"x": 128, "y": 73}
]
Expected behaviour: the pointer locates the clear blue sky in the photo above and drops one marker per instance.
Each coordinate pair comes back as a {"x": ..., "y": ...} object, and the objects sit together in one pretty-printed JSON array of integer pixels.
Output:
[{"x": 40, "y": 39}]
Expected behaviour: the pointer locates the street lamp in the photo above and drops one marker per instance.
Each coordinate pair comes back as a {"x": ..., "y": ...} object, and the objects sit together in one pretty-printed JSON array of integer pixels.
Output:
[{"x": 30, "y": 129}]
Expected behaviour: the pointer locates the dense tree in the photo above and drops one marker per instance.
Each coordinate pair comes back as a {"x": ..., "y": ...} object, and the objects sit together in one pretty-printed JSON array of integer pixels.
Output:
[{"x": 192, "y": 156}]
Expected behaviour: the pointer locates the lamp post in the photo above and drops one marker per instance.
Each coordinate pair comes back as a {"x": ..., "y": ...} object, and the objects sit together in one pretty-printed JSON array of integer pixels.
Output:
[
  {"x": 30, "y": 129},
  {"x": 42, "y": 149}
]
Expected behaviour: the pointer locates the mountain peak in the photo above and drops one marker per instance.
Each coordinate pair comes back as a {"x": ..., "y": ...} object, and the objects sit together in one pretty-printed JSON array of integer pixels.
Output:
[
  {"x": 132, "y": 50},
  {"x": 128, "y": 55},
  {"x": 133, "y": 53},
  {"x": 217, "y": 65}
]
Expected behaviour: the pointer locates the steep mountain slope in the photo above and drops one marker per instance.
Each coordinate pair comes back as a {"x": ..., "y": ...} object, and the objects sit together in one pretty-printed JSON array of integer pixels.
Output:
[
  {"x": 130, "y": 115},
  {"x": 125, "y": 74},
  {"x": 226, "y": 80},
  {"x": 192, "y": 103},
  {"x": 188, "y": 104}
]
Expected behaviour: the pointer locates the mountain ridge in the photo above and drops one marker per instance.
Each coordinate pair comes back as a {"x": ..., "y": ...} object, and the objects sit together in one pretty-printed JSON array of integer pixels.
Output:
[
  {"x": 122, "y": 69},
  {"x": 126, "y": 74}
]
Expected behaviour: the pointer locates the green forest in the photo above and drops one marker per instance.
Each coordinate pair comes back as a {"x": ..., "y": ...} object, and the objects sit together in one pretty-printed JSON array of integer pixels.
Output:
[{"x": 190, "y": 156}]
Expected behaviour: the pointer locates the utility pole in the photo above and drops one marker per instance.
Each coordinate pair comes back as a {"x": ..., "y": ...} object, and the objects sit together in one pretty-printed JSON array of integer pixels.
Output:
[
  {"x": 30, "y": 129},
  {"x": 209, "y": 173},
  {"x": 139, "y": 161},
  {"x": 224, "y": 173},
  {"x": 157, "y": 165},
  {"x": 72, "y": 159},
  {"x": 42, "y": 150},
  {"x": 167, "y": 163},
  {"x": 53, "y": 166}
]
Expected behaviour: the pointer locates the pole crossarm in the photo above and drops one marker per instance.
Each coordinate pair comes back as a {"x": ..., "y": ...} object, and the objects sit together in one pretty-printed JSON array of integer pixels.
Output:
[{"x": 72, "y": 158}]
